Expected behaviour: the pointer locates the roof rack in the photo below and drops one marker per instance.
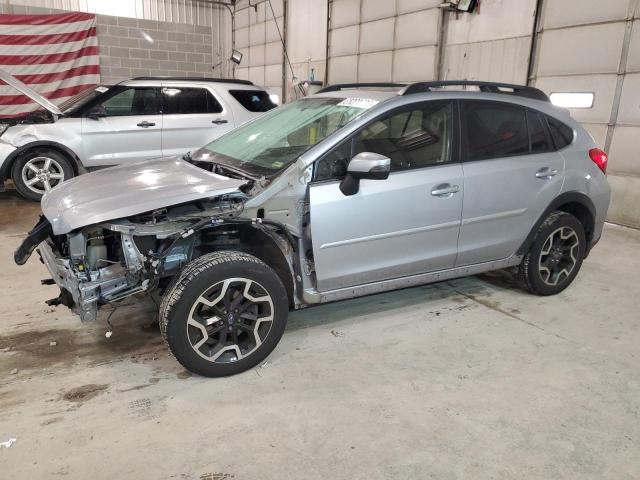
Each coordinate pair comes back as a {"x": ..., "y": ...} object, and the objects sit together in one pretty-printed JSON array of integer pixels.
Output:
[
  {"x": 343, "y": 86},
  {"x": 197, "y": 79},
  {"x": 491, "y": 87}
]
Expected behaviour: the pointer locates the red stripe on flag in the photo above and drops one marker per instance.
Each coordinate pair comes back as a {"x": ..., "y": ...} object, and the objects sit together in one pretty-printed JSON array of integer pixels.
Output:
[
  {"x": 41, "y": 59},
  {"x": 47, "y": 39},
  {"x": 45, "y": 19},
  {"x": 62, "y": 92},
  {"x": 14, "y": 116},
  {"x": 52, "y": 77}
]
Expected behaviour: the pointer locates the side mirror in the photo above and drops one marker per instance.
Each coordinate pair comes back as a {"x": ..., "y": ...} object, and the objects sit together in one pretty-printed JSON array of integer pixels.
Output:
[
  {"x": 96, "y": 112},
  {"x": 364, "y": 166}
]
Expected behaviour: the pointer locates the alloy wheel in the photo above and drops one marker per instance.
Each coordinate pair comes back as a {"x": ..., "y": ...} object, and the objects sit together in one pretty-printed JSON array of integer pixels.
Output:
[
  {"x": 41, "y": 174},
  {"x": 559, "y": 255},
  {"x": 230, "y": 320}
]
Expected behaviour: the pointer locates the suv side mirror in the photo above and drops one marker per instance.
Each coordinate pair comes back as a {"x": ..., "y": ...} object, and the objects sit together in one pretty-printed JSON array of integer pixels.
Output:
[
  {"x": 364, "y": 166},
  {"x": 96, "y": 112}
]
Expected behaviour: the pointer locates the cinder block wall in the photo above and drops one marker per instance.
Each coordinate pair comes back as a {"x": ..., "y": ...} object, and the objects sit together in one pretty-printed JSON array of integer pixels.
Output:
[{"x": 131, "y": 48}]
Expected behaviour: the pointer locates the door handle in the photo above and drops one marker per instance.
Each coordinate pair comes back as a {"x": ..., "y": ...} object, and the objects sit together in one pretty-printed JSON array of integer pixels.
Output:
[
  {"x": 546, "y": 173},
  {"x": 218, "y": 121},
  {"x": 445, "y": 190},
  {"x": 146, "y": 124}
]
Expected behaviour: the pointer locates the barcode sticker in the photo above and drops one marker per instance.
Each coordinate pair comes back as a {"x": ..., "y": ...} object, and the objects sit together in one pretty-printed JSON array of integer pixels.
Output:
[{"x": 358, "y": 102}]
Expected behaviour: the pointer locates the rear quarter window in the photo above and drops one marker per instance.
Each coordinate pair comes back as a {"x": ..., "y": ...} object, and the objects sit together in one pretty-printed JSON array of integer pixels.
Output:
[
  {"x": 253, "y": 100},
  {"x": 562, "y": 134}
]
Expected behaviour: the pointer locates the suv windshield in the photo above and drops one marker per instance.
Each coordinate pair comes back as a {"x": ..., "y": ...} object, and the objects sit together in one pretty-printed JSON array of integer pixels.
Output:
[{"x": 272, "y": 142}]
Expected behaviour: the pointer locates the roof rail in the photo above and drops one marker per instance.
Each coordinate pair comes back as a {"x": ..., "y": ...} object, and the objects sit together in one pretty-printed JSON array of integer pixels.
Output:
[
  {"x": 343, "y": 86},
  {"x": 492, "y": 87},
  {"x": 197, "y": 79}
]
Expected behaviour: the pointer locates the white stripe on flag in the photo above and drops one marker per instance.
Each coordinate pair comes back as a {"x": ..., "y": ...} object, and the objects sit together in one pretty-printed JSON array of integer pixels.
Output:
[
  {"x": 47, "y": 29},
  {"x": 51, "y": 67},
  {"x": 19, "y": 109},
  {"x": 57, "y": 85},
  {"x": 47, "y": 49}
]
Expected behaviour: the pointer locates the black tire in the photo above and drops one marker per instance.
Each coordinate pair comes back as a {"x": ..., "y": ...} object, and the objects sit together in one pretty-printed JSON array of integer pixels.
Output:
[
  {"x": 533, "y": 273},
  {"x": 195, "y": 282},
  {"x": 59, "y": 165}
]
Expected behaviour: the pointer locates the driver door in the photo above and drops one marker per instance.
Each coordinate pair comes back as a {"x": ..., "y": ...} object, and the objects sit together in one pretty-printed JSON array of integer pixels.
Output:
[
  {"x": 400, "y": 226},
  {"x": 128, "y": 130}
]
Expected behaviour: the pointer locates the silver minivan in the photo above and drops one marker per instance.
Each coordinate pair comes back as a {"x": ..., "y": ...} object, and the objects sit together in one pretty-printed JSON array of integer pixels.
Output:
[
  {"x": 134, "y": 120},
  {"x": 356, "y": 190}
]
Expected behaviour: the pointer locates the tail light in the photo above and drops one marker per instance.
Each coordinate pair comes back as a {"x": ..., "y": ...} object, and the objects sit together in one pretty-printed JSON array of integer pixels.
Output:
[{"x": 600, "y": 158}]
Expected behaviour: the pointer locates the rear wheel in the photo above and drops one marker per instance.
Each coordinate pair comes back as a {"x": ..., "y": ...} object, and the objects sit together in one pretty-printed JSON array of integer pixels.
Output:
[
  {"x": 38, "y": 171},
  {"x": 555, "y": 257},
  {"x": 224, "y": 313}
]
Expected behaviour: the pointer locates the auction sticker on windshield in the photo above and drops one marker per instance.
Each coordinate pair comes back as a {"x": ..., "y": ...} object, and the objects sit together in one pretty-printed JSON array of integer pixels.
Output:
[{"x": 358, "y": 102}]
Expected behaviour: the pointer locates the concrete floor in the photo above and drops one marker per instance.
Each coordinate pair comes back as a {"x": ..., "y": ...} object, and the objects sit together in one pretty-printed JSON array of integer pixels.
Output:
[{"x": 466, "y": 379}]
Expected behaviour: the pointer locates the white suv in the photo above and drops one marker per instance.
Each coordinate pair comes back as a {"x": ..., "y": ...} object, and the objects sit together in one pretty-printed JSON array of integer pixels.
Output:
[{"x": 134, "y": 120}]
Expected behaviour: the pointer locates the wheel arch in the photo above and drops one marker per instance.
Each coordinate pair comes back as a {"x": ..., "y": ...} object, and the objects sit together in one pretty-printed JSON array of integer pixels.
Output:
[
  {"x": 575, "y": 203},
  {"x": 76, "y": 163},
  {"x": 261, "y": 242}
]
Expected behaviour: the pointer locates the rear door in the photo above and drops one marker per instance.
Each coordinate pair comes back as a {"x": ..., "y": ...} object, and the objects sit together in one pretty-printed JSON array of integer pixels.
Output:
[
  {"x": 193, "y": 117},
  {"x": 511, "y": 174},
  {"x": 404, "y": 225},
  {"x": 130, "y": 129}
]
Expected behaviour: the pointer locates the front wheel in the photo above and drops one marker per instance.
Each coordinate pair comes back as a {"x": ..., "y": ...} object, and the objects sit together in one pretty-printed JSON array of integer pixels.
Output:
[
  {"x": 555, "y": 256},
  {"x": 38, "y": 171},
  {"x": 224, "y": 313}
]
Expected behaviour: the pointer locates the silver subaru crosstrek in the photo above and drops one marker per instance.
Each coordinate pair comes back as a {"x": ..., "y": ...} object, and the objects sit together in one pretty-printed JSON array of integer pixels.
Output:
[
  {"x": 356, "y": 190},
  {"x": 137, "y": 119}
]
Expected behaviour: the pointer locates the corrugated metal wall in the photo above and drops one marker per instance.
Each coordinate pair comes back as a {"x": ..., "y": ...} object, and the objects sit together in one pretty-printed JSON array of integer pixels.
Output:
[
  {"x": 192, "y": 12},
  {"x": 257, "y": 35},
  {"x": 306, "y": 42},
  {"x": 493, "y": 44},
  {"x": 594, "y": 46},
  {"x": 387, "y": 41}
]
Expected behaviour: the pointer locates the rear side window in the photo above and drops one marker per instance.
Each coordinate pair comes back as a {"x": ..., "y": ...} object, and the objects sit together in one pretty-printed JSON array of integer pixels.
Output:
[
  {"x": 495, "y": 130},
  {"x": 562, "y": 134},
  {"x": 179, "y": 100},
  {"x": 253, "y": 100},
  {"x": 540, "y": 141}
]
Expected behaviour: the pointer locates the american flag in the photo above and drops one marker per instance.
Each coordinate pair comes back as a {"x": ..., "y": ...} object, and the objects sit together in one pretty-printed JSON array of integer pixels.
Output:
[{"x": 56, "y": 55}]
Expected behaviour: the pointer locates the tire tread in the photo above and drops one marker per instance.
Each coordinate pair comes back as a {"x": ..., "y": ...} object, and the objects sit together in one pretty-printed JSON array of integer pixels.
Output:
[
  {"x": 189, "y": 273},
  {"x": 523, "y": 275}
]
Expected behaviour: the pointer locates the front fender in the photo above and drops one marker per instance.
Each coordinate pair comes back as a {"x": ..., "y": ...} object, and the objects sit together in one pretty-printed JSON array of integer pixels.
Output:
[{"x": 5, "y": 169}]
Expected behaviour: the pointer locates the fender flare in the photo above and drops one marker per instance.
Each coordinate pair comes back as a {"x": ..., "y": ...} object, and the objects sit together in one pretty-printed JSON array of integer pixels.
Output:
[
  {"x": 5, "y": 170},
  {"x": 562, "y": 199}
]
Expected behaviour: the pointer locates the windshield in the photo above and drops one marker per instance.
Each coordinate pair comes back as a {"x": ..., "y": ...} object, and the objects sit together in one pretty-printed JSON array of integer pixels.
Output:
[{"x": 278, "y": 138}]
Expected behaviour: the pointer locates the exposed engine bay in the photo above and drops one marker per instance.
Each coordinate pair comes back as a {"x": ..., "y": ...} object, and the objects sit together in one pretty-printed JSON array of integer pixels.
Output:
[{"x": 107, "y": 262}]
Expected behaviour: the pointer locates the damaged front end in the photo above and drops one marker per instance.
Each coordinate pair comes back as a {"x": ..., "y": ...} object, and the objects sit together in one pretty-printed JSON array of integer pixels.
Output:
[{"x": 107, "y": 262}]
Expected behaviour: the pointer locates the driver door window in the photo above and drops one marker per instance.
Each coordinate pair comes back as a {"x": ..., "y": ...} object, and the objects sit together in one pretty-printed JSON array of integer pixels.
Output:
[
  {"x": 132, "y": 101},
  {"x": 418, "y": 137}
]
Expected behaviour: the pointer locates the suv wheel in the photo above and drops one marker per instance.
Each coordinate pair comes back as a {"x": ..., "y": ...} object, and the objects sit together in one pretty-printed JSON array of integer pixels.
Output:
[
  {"x": 555, "y": 257},
  {"x": 224, "y": 313},
  {"x": 38, "y": 171}
]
